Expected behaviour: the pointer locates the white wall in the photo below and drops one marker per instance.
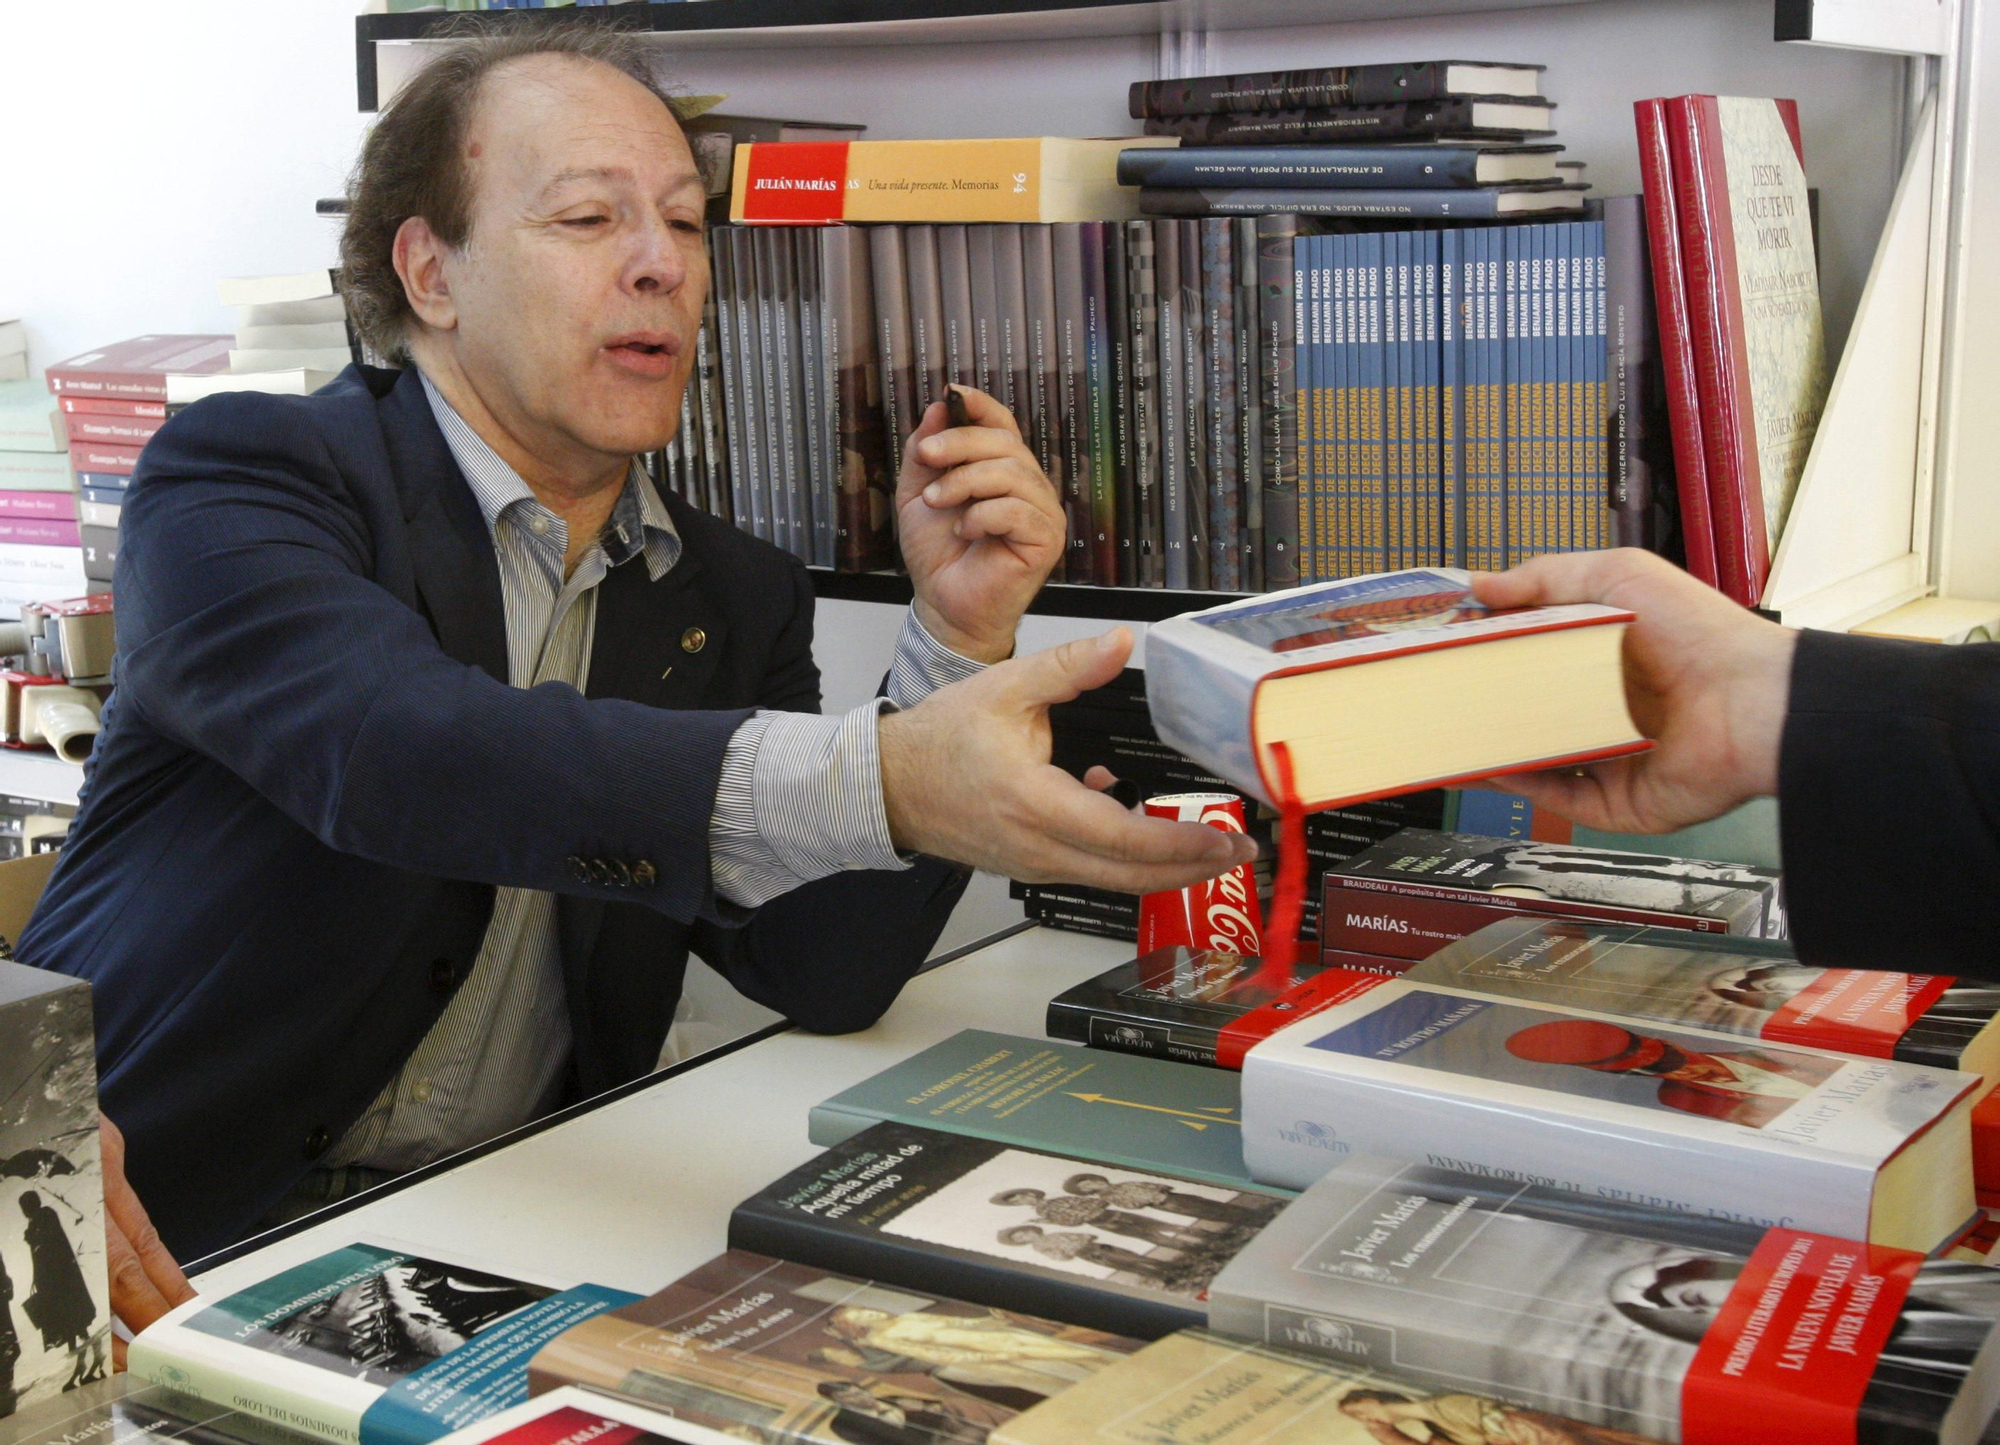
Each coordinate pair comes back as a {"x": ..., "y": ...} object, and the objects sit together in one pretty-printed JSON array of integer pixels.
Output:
[{"x": 156, "y": 146}]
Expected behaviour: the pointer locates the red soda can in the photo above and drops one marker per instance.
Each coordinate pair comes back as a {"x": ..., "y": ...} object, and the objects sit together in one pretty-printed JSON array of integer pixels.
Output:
[{"x": 1220, "y": 915}]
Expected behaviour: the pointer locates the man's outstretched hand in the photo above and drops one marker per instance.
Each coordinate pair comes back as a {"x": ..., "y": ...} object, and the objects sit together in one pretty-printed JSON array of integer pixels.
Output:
[
  {"x": 145, "y": 1281},
  {"x": 1704, "y": 678},
  {"x": 966, "y": 776}
]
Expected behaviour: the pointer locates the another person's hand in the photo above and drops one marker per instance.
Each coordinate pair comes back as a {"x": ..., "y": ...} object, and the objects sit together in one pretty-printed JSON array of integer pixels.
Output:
[
  {"x": 1706, "y": 679},
  {"x": 966, "y": 776},
  {"x": 145, "y": 1281},
  {"x": 980, "y": 525}
]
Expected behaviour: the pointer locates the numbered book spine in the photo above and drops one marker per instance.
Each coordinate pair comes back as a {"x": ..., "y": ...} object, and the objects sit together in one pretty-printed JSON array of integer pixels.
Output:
[
  {"x": 892, "y": 314},
  {"x": 1306, "y": 363},
  {"x": 1173, "y": 408},
  {"x": 749, "y": 366},
  {"x": 1194, "y": 399},
  {"x": 1145, "y": 362},
  {"x": 927, "y": 348},
  {"x": 1100, "y": 410},
  {"x": 1073, "y": 378},
  {"x": 1045, "y": 407},
  {"x": 1117, "y": 319},
  {"x": 864, "y": 539},
  {"x": 1218, "y": 282},
  {"x": 1011, "y": 330},
  {"x": 984, "y": 262},
  {"x": 955, "y": 290},
  {"x": 1276, "y": 320},
  {"x": 1250, "y": 405}
]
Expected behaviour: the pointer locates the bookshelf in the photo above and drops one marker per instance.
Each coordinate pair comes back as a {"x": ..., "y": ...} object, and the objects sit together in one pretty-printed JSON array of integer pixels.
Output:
[{"x": 1883, "y": 103}]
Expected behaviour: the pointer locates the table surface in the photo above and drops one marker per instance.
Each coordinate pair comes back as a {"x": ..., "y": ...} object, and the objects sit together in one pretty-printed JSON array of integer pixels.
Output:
[{"x": 635, "y": 1192}]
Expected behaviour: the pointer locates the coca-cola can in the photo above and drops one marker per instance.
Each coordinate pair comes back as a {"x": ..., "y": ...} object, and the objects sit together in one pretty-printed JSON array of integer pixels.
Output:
[{"x": 1220, "y": 915}]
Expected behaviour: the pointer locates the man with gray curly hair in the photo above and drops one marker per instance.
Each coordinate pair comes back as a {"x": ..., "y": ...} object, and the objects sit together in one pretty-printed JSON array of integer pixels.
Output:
[{"x": 442, "y": 737}]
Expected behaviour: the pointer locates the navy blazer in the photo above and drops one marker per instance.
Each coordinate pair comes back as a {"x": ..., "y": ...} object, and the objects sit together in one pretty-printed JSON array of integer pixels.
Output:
[{"x": 313, "y": 775}]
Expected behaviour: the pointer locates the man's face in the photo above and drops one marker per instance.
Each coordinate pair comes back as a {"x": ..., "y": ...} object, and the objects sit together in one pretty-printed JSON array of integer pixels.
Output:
[{"x": 579, "y": 291}]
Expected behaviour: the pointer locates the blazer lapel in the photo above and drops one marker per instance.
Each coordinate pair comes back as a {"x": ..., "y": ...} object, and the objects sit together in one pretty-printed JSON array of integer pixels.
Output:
[{"x": 451, "y": 552}]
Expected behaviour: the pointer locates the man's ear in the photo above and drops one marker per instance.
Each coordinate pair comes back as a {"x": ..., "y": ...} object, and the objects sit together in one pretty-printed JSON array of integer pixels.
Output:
[{"x": 419, "y": 258}]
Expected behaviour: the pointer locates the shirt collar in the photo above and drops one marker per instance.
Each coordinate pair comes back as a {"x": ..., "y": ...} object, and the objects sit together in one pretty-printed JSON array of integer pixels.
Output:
[{"x": 639, "y": 525}]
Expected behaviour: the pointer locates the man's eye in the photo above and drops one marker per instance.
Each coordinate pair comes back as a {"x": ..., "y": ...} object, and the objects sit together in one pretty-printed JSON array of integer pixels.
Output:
[
  {"x": 687, "y": 228},
  {"x": 586, "y": 221}
]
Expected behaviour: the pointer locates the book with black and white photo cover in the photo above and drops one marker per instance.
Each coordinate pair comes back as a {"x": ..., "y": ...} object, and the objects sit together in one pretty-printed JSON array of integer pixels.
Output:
[
  {"x": 800, "y": 1354},
  {"x": 370, "y": 1344},
  {"x": 572, "y": 1416},
  {"x": 1673, "y": 1327},
  {"x": 1196, "y": 1387},
  {"x": 1385, "y": 684},
  {"x": 1420, "y": 889},
  {"x": 1128, "y": 1251},
  {"x": 1751, "y": 987},
  {"x": 55, "y": 1298},
  {"x": 1696, "y": 1121}
]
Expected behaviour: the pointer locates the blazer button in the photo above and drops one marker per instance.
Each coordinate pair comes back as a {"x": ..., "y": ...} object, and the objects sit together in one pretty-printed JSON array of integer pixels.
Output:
[
  {"x": 579, "y": 869},
  {"x": 620, "y": 874},
  {"x": 644, "y": 874},
  {"x": 600, "y": 873},
  {"x": 693, "y": 640},
  {"x": 444, "y": 975},
  {"x": 319, "y": 1139}
]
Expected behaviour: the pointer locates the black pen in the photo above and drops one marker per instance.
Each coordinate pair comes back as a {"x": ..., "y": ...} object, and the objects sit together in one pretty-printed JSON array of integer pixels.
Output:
[{"x": 954, "y": 407}]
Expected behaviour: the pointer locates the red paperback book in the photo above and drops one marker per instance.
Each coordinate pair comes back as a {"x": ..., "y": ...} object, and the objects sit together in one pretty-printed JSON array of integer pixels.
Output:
[
  {"x": 137, "y": 370},
  {"x": 104, "y": 457},
  {"x": 128, "y": 431},
  {"x": 111, "y": 406},
  {"x": 1663, "y": 236},
  {"x": 1715, "y": 302}
]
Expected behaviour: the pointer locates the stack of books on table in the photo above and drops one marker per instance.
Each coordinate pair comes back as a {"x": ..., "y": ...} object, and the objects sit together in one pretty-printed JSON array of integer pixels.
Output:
[
  {"x": 113, "y": 399},
  {"x": 38, "y": 523},
  {"x": 1379, "y": 1229},
  {"x": 292, "y": 337}
]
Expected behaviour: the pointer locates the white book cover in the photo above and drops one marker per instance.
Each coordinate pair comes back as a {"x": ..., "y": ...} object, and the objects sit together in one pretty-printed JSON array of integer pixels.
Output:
[
  {"x": 572, "y": 1416},
  {"x": 294, "y": 334},
  {"x": 372, "y": 1344},
  {"x": 286, "y": 358},
  {"x": 51, "y": 569},
  {"x": 1689, "y": 1120},
  {"x": 265, "y": 290},
  {"x": 291, "y": 313},
  {"x": 1203, "y": 669},
  {"x": 290, "y": 381}
]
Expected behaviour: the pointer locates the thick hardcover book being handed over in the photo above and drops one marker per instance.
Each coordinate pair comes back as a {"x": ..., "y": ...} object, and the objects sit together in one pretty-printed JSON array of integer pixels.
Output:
[
  {"x": 1136, "y": 1112},
  {"x": 1387, "y": 684},
  {"x": 1672, "y": 1328},
  {"x": 1700, "y": 1122},
  {"x": 800, "y": 1354},
  {"x": 368, "y": 1345},
  {"x": 1418, "y": 890},
  {"x": 1064, "y": 1238}
]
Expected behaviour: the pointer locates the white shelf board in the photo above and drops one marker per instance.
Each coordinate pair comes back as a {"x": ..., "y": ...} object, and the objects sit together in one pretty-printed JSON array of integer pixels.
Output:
[{"x": 36, "y": 774}]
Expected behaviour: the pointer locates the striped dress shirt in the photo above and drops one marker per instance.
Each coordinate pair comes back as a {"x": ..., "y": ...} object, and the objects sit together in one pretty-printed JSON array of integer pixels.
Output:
[{"x": 800, "y": 797}]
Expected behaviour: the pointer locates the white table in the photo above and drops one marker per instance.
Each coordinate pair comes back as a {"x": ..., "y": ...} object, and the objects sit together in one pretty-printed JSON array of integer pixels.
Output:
[{"x": 636, "y": 1191}]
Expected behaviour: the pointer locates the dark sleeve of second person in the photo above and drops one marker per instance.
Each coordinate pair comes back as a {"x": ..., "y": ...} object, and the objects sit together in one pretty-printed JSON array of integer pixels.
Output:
[
  {"x": 1889, "y": 804},
  {"x": 831, "y": 955}
]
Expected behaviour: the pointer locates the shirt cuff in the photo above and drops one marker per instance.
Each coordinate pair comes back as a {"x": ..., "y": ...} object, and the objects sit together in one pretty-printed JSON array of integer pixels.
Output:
[
  {"x": 800, "y": 797},
  {"x": 923, "y": 664}
]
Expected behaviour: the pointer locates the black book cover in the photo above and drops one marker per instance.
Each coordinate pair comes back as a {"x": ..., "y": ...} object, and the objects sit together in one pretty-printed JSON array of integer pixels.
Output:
[
  {"x": 1108, "y": 1248},
  {"x": 1456, "y": 120},
  {"x": 1384, "y": 83},
  {"x": 1169, "y": 1004},
  {"x": 1275, "y": 345}
]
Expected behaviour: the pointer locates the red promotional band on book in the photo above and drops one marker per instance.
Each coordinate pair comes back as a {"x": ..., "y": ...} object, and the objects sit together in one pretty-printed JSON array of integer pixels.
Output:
[
  {"x": 797, "y": 183},
  {"x": 1796, "y": 1342},
  {"x": 1308, "y": 996},
  {"x": 571, "y": 1426},
  {"x": 1856, "y": 1011}
]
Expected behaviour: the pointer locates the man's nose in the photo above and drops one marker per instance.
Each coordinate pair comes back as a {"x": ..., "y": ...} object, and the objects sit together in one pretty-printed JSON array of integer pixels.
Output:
[{"x": 657, "y": 263}]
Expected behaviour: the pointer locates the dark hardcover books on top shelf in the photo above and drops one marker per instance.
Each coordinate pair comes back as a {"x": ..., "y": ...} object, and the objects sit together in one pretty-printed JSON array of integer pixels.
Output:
[
  {"x": 1669, "y": 1326},
  {"x": 1105, "y": 1247},
  {"x": 1332, "y": 85},
  {"x": 1372, "y": 167},
  {"x": 1476, "y": 203},
  {"x": 1445, "y": 120}
]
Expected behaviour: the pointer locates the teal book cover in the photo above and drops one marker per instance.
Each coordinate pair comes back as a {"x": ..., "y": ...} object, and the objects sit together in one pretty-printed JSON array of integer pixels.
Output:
[{"x": 1141, "y": 1113}]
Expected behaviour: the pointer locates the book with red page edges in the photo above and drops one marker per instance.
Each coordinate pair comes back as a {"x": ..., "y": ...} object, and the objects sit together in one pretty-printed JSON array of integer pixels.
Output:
[
  {"x": 1663, "y": 235},
  {"x": 1753, "y": 304}
]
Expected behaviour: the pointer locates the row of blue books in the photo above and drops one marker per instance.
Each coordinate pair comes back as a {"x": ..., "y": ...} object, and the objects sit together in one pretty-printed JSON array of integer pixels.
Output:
[{"x": 1455, "y": 400}]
